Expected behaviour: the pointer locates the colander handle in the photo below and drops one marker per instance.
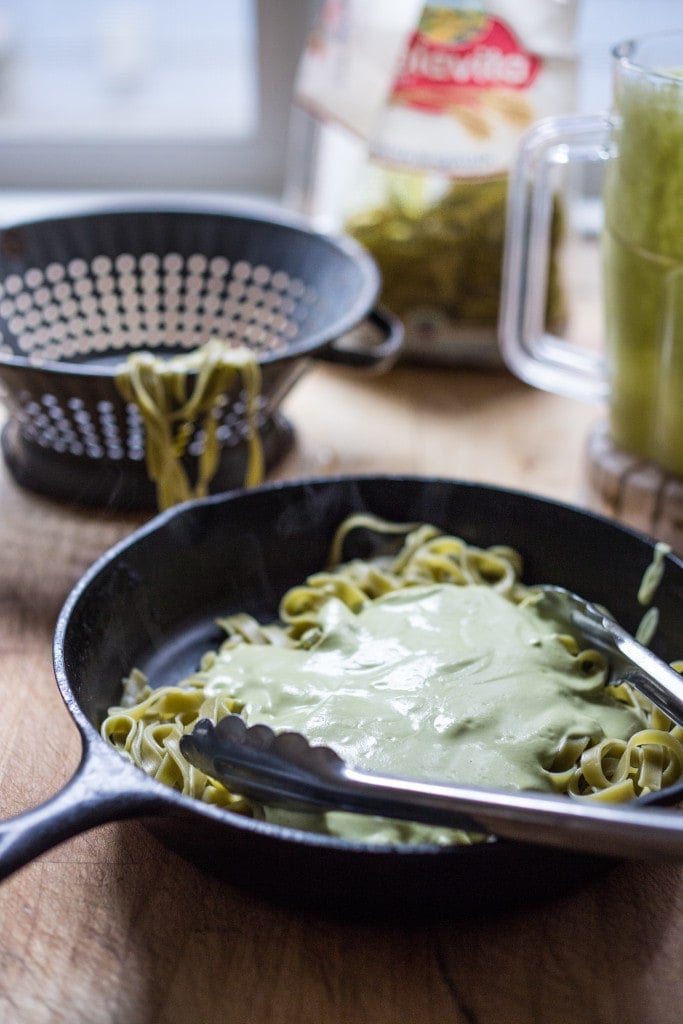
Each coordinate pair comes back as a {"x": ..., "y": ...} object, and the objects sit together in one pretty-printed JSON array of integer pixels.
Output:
[{"x": 374, "y": 344}]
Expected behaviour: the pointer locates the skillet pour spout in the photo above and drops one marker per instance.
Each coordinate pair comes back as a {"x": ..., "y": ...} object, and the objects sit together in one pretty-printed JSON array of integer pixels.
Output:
[{"x": 239, "y": 552}]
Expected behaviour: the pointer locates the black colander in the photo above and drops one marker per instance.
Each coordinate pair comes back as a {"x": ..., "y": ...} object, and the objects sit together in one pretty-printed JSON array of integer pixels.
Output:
[{"x": 79, "y": 292}]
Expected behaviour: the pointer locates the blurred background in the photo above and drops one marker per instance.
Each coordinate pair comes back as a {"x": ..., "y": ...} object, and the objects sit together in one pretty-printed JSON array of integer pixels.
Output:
[{"x": 191, "y": 94}]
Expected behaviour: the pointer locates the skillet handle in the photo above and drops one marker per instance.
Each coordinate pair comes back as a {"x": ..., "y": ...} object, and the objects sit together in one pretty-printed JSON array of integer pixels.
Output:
[
  {"x": 375, "y": 344},
  {"x": 99, "y": 791}
]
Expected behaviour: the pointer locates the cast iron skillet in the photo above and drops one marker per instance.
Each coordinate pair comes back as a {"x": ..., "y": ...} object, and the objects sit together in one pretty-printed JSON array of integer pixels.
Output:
[{"x": 151, "y": 602}]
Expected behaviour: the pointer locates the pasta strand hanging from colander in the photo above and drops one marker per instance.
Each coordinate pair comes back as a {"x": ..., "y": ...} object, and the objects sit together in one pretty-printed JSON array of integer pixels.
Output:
[{"x": 176, "y": 398}]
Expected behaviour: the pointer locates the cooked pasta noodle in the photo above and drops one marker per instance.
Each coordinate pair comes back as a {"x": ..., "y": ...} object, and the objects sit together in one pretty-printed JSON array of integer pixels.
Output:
[
  {"x": 172, "y": 411},
  {"x": 648, "y": 587},
  {"x": 611, "y": 743},
  {"x": 147, "y": 726}
]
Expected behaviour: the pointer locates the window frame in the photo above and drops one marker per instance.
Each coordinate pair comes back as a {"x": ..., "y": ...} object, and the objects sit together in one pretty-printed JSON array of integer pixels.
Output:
[{"x": 256, "y": 163}]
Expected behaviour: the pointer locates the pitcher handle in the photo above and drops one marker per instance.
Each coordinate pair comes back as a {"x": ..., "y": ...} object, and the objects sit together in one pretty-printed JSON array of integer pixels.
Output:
[{"x": 536, "y": 356}]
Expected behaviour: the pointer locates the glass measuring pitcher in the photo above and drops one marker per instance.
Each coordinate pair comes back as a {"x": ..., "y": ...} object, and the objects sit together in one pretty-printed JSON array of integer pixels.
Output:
[{"x": 640, "y": 372}]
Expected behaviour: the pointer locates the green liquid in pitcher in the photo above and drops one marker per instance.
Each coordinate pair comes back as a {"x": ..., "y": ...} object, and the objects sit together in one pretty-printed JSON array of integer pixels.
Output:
[{"x": 643, "y": 266}]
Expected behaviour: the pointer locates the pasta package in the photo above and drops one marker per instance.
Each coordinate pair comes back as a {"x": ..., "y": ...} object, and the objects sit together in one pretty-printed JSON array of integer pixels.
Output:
[{"x": 419, "y": 109}]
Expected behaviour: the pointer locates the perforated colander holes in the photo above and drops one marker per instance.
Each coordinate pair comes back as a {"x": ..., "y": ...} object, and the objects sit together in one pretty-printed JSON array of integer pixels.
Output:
[
  {"x": 234, "y": 425},
  {"x": 72, "y": 311},
  {"x": 74, "y": 428},
  {"x": 71, "y": 427}
]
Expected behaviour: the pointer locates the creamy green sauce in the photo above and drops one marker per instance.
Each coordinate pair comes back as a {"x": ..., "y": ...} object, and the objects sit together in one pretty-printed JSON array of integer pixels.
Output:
[{"x": 435, "y": 682}]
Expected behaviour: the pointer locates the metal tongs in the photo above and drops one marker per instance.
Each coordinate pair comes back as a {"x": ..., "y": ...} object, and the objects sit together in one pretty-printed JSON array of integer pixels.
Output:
[
  {"x": 285, "y": 770},
  {"x": 631, "y": 662}
]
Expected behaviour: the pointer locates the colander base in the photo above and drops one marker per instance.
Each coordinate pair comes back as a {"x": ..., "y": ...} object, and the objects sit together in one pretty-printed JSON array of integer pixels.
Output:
[{"x": 123, "y": 485}]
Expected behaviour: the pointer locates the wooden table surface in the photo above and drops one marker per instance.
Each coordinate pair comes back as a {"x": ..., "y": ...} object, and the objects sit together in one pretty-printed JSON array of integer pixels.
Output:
[{"x": 111, "y": 927}]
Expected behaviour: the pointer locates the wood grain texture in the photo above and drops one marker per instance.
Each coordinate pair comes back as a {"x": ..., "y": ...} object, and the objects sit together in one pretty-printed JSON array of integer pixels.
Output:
[{"x": 110, "y": 928}]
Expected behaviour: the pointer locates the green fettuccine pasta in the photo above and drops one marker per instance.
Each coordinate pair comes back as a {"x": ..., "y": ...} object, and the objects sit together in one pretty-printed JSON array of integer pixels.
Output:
[{"x": 177, "y": 396}]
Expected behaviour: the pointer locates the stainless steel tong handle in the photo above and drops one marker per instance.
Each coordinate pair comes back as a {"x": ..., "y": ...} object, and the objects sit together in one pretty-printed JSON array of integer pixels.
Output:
[{"x": 285, "y": 770}]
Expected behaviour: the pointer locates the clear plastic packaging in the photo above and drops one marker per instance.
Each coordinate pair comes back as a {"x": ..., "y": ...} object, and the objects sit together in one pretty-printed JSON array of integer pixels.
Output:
[{"x": 415, "y": 112}]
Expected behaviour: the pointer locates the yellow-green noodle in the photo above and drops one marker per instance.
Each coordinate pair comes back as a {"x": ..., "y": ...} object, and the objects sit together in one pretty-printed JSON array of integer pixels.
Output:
[{"x": 175, "y": 396}]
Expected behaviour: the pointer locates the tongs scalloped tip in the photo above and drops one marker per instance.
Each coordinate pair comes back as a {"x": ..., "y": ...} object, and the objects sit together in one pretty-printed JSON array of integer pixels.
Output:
[
  {"x": 637, "y": 664},
  {"x": 284, "y": 769}
]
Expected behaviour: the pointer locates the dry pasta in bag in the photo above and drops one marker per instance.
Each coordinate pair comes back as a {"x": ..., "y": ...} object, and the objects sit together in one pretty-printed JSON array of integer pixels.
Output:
[{"x": 419, "y": 110}]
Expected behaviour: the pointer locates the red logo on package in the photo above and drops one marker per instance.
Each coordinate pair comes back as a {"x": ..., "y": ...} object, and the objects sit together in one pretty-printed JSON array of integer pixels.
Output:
[{"x": 453, "y": 53}]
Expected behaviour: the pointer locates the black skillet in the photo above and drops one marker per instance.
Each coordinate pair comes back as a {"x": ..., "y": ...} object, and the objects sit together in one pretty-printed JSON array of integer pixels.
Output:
[{"x": 152, "y": 602}]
